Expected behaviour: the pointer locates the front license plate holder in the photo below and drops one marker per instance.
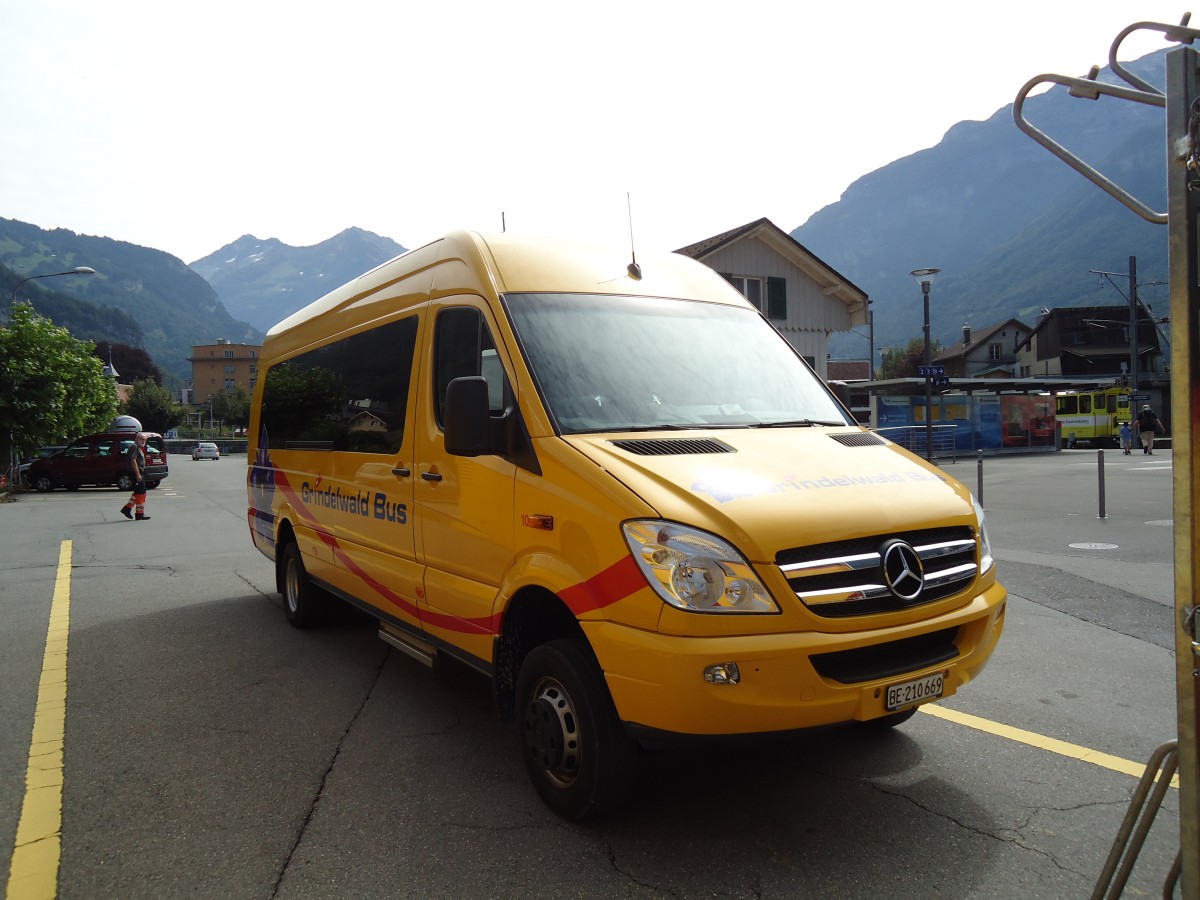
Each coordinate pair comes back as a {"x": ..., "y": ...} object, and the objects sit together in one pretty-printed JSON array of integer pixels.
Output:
[{"x": 918, "y": 690}]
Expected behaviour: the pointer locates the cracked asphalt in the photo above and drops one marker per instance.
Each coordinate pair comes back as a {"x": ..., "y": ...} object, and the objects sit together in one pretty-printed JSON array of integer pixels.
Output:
[{"x": 212, "y": 751}]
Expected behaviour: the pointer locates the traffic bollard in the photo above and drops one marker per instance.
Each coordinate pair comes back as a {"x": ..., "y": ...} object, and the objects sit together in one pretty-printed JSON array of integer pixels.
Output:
[{"x": 979, "y": 476}]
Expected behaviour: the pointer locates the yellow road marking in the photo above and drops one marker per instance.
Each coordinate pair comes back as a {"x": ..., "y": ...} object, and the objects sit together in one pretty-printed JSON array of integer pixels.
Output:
[
  {"x": 33, "y": 873},
  {"x": 1033, "y": 739}
]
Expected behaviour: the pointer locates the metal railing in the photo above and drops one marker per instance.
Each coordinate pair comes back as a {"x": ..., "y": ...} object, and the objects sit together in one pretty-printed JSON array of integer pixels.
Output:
[{"x": 912, "y": 437}]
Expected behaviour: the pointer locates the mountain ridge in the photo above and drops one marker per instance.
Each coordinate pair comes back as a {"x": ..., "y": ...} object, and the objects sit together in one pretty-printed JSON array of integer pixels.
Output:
[
  {"x": 265, "y": 281},
  {"x": 1011, "y": 226}
]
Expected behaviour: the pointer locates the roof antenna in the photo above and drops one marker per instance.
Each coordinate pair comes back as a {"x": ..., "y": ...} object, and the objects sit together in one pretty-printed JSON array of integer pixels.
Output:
[
  {"x": 503, "y": 227},
  {"x": 634, "y": 270}
]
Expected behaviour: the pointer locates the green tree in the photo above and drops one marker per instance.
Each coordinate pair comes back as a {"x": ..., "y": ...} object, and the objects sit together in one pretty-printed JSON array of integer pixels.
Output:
[
  {"x": 154, "y": 406},
  {"x": 232, "y": 407},
  {"x": 902, "y": 362},
  {"x": 52, "y": 389},
  {"x": 132, "y": 363}
]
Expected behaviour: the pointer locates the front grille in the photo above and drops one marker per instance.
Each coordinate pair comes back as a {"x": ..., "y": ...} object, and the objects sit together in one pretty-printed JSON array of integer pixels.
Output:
[
  {"x": 847, "y": 578},
  {"x": 887, "y": 660}
]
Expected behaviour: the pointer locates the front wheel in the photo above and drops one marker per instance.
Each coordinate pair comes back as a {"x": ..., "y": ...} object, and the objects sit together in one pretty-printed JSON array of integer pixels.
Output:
[
  {"x": 576, "y": 752},
  {"x": 304, "y": 603},
  {"x": 884, "y": 723},
  {"x": 124, "y": 482},
  {"x": 42, "y": 484}
]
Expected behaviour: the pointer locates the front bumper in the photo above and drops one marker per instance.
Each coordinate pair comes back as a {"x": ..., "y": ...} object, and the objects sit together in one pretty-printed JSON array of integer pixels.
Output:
[{"x": 657, "y": 680}]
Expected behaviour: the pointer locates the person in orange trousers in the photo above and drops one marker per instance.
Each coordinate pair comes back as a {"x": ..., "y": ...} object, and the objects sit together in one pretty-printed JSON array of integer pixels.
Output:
[{"x": 137, "y": 500}]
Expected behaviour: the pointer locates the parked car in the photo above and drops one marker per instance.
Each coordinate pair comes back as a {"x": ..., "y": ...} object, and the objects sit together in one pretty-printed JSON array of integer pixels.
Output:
[
  {"x": 100, "y": 459},
  {"x": 39, "y": 453},
  {"x": 206, "y": 450}
]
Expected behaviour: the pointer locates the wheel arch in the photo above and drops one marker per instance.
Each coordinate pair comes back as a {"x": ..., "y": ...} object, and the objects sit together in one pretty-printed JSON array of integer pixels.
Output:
[{"x": 534, "y": 616}]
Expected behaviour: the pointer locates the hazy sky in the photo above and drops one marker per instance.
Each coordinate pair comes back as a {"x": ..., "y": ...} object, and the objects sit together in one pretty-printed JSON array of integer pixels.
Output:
[{"x": 183, "y": 125}]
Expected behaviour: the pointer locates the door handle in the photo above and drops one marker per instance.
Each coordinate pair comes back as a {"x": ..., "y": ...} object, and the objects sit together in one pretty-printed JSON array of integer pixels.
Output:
[
  {"x": 402, "y": 471},
  {"x": 431, "y": 476}
]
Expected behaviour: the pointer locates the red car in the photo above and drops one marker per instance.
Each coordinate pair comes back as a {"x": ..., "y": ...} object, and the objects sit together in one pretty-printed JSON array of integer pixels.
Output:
[{"x": 100, "y": 459}]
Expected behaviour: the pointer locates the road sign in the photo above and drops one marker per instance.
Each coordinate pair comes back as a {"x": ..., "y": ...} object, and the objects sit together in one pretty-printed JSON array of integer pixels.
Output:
[{"x": 930, "y": 371}]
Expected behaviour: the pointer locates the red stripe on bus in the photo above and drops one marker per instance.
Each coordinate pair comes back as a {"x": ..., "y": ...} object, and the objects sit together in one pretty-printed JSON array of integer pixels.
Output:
[{"x": 617, "y": 582}]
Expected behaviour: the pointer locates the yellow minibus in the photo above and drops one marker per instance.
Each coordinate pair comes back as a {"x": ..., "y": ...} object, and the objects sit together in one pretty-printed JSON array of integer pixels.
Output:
[{"x": 616, "y": 490}]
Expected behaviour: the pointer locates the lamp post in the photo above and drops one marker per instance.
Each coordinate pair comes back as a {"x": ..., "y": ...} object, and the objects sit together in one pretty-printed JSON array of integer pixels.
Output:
[
  {"x": 78, "y": 270},
  {"x": 925, "y": 278}
]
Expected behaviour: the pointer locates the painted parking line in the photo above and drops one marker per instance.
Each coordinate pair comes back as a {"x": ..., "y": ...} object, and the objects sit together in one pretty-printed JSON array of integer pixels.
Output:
[
  {"x": 1040, "y": 741},
  {"x": 33, "y": 873}
]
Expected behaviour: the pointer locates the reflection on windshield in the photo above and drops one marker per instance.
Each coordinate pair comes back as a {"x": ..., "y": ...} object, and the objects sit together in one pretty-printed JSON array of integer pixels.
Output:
[{"x": 609, "y": 363}]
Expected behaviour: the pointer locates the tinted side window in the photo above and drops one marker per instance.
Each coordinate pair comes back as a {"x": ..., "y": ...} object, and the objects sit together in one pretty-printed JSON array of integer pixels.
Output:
[
  {"x": 348, "y": 395},
  {"x": 463, "y": 346}
]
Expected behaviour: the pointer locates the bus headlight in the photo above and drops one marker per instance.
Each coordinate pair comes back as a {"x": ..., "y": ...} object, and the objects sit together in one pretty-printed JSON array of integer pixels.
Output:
[
  {"x": 694, "y": 570},
  {"x": 986, "y": 560}
]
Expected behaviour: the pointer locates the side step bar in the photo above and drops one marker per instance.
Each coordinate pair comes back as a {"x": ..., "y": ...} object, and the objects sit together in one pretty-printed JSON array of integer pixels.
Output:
[{"x": 407, "y": 644}]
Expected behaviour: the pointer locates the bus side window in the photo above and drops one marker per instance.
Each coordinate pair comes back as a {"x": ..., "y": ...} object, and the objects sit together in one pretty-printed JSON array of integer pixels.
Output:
[
  {"x": 1068, "y": 406},
  {"x": 1085, "y": 404}
]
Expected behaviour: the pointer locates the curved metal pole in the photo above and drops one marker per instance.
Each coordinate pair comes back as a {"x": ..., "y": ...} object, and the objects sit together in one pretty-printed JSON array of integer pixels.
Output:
[
  {"x": 1179, "y": 34},
  {"x": 1089, "y": 89},
  {"x": 78, "y": 270}
]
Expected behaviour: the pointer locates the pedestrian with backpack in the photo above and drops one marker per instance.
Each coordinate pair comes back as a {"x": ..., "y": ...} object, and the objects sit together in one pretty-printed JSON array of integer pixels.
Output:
[{"x": 1148, "y": 426}]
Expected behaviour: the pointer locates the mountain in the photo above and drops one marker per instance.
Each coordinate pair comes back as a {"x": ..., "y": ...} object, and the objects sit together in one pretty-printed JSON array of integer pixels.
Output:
[
  {"x": 173, "y": 306},
  {"x": 1012, "y": 227},
  {"x": 264, "y": 282}
]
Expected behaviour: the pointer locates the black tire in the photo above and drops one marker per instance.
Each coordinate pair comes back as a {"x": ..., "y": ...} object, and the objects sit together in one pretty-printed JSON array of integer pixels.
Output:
[
  {"x": 125, "y": 482},
  {"x": 304, "y": 603},
  {"x": 579, "y": 757},
  {"x": 43, "y": 484},
  {"x": 151, "y": 485},
  {"x": 886, "y": 723}
]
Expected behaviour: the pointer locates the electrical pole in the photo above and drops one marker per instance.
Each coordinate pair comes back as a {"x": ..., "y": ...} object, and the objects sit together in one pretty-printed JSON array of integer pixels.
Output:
[{"x": 1133, "y": 327}]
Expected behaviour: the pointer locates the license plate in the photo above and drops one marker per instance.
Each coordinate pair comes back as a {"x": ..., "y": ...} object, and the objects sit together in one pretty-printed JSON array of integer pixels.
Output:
[{"x": 917, "y": 691}]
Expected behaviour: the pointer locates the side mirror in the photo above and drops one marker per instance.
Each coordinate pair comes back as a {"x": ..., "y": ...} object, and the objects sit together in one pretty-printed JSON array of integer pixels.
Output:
[{"x": 466, "y": 418}]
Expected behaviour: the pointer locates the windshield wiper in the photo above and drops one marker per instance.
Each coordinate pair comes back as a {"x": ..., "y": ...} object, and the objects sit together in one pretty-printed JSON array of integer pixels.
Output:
[
  {"x": 798, "y": 423},
  {"x": 663, "y": 426}
]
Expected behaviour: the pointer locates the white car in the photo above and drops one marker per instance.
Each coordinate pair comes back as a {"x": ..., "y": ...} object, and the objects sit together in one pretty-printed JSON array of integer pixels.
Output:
[{"x": 205, "y": 450}]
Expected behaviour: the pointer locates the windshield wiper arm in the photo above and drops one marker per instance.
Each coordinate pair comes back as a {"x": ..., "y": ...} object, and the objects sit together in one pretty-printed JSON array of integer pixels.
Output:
[{"x": 801, "y": 423}]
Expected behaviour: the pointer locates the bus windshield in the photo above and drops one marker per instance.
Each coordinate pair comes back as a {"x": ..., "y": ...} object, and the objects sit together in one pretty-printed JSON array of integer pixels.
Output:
[{"x": 621, "y": 363}]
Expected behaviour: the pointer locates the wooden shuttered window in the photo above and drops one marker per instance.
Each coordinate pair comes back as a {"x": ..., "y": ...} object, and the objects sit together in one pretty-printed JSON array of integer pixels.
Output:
[
  {"x": 775, "y": 303},
  {"x": 776, "y": 298}
]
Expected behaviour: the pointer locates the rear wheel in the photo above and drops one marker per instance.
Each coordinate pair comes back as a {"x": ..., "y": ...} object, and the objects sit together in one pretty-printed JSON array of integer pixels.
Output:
[
  {"x": 151, "y": 485},
  {"x": 304, "y": 603},
  {"x": 574, "y": 748}
]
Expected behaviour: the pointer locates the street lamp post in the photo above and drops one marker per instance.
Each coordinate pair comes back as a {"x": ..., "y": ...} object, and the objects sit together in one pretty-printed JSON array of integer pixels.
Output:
[
  {"x": 925, "y": 278},
  {"x": 78, "y": 270},
  {"x": 14, "y": 453}
]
